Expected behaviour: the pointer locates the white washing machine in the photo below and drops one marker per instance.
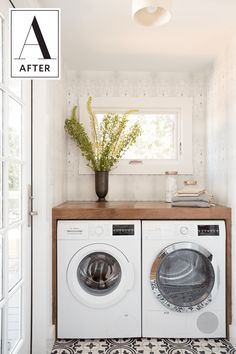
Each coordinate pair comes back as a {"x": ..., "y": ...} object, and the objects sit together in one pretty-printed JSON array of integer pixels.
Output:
[
  {"x": 184, "y": 279},
  {"x": 98, "y": 279}
]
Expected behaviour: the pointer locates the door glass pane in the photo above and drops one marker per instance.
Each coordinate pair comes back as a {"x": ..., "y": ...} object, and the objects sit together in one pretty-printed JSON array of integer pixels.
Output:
[
  {"x": 0, "y": 330},
  {"x": 1, "y": 50},
  {"x": 15, "y": 86},
  {"x": 14, "y": 256},
  {"x": 1, "y": 196},
  {"x": 1, "y": 269},
  {"x": 14, "y": 126},
  {"x": 14, "y": 321},
  {"x": 185, "y": 277},
  {"x": 1, "y": 120},
  {"x": 14, "y": 185},
  {"x": 99, "y": 273}
]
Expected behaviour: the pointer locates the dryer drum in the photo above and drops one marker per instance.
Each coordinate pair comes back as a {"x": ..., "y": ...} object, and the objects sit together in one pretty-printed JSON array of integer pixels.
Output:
[
  {"x": 185, "y": 277},
  {"x": 99, "y": 273}
]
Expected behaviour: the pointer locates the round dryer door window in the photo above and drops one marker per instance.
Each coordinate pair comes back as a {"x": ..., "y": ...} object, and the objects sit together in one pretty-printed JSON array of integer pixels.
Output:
[
  {"x": 99, "y": 273},
  {"x": 183, "y": 277}
]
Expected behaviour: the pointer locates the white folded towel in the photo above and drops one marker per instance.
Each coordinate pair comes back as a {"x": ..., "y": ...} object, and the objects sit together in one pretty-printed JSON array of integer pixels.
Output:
[{"x": 188, "y": 191}]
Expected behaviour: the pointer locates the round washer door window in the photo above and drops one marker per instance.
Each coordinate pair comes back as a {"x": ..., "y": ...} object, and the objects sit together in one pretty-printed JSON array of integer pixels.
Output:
[
  {"x": 99, "y": 273},
  {"x": 182, "y": 277}
]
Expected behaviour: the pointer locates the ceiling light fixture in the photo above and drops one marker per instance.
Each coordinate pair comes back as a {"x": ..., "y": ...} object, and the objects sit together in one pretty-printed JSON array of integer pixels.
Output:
[{"x": 151, "y": 12}]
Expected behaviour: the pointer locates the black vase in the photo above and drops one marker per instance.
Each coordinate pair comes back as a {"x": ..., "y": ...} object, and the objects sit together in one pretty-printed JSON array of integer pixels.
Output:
[{"x": 101, "y": 185}]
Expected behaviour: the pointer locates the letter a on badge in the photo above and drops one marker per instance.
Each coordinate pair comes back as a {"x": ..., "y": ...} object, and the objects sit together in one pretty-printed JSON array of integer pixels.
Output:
[{"x": 40, "y": 39}]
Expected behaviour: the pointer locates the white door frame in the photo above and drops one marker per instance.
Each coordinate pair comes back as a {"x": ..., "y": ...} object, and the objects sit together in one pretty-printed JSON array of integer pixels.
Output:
[{"x": 17, "y": 337}]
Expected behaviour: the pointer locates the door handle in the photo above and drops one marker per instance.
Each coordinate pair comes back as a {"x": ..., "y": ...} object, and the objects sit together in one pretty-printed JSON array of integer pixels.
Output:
[{"x": 33, "y": 213}]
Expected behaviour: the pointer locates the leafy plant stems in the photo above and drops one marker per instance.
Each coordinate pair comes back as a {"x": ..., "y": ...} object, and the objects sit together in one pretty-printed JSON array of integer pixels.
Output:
[{"x": 109, "y": 139}]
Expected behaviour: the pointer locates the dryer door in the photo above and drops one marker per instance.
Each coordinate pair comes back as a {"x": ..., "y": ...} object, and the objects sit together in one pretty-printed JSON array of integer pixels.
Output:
[
  {"x": 183, "y": 277},
  {"x": 99, "y": 275}
]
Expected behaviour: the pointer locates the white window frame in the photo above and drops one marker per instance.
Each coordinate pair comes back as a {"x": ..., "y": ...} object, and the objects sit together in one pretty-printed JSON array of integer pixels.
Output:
[{"x": 181, "y": 105}]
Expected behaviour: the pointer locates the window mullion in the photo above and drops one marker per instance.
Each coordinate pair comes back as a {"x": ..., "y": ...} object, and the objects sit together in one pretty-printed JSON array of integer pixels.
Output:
[
  {"x": 5, "y": 156},
  {"x": 11, "y": 94}
]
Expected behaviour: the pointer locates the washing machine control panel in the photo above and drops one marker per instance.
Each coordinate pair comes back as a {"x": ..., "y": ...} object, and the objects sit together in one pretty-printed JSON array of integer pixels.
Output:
[
  {"x": 123, "y": 230},
  {"x": 208, "y": 230}
]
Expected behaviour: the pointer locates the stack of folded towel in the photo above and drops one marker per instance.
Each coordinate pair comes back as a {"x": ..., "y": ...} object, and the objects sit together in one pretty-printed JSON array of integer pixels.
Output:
[{"x": 194, "y": 197}]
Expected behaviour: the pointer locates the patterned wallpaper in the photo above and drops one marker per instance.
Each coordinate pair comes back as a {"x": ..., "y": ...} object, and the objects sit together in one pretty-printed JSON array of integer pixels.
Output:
[
  {"x": 221, "y": 142},
  {"x": 133, "y": 84}
]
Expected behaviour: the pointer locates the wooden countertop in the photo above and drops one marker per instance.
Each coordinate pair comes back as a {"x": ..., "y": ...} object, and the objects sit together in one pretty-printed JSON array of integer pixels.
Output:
[
  {"x": 140, "y": 211},
  {"x": 135, "y": 210}
]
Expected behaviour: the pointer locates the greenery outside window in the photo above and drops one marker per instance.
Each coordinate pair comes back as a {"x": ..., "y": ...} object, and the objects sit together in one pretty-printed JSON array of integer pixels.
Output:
[{"x": 166, "y": 140}]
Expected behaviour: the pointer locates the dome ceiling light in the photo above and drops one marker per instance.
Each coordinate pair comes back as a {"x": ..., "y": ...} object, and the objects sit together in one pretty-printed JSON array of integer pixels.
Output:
[{"x": 151, "y": 12}]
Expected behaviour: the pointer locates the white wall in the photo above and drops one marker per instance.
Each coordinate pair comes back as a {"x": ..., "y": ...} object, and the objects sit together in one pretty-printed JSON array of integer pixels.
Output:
[
  {"x": 134, "y": 84},
  {"x": 50, "y": 189},
  {"x": 221, "y": 142}
]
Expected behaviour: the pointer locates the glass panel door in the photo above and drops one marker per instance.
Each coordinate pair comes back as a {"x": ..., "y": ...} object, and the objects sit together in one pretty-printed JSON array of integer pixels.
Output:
[{"x": 15, "y": 235}]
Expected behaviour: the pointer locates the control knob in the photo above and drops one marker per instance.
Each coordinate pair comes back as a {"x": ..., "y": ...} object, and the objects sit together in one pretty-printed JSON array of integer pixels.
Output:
[
  {"x": 184, "y": 230},
  {"x": 99, "y": 230}
]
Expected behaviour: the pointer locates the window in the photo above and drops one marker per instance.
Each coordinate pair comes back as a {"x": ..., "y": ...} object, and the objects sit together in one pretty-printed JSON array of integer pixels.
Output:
[{"x": 166, "y": 140}]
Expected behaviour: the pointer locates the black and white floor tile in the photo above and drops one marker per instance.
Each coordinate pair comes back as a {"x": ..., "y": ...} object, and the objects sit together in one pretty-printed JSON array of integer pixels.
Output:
[{"x": 143, "y": 346}]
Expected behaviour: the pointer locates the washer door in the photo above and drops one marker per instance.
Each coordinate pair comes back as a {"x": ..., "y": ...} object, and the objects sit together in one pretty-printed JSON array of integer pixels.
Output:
[
  {"x": 183, "y": 277},
  {"x": 99, "y": 275}
]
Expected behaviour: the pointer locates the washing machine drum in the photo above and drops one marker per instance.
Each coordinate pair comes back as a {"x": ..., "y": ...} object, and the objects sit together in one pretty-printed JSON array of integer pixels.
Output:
[
  {"x": 99, "y": 273},
  {"x": 183, "y": 277}
]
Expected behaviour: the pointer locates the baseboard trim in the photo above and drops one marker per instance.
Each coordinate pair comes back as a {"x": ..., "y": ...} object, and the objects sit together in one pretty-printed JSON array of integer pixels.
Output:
[
  {"x": 232, "y": 337},
  {"x": 51, "y": 339}
]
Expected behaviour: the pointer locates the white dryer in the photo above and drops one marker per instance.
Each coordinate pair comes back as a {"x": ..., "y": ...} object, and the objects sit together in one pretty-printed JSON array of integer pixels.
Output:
[
  {"x": 184, "y": 279},
  {"x": 98, "y": 279}
]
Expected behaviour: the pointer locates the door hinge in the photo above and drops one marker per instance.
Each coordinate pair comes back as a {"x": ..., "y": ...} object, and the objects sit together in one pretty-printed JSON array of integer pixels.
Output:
[
  {"x": 180, "y": 148},
  {"x": 31, "y": 212}
]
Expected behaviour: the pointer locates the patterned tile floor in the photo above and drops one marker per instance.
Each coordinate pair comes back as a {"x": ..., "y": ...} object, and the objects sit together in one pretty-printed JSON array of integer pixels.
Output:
[{"x": 143, "y": 346}]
